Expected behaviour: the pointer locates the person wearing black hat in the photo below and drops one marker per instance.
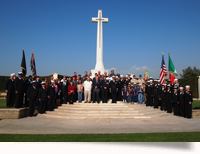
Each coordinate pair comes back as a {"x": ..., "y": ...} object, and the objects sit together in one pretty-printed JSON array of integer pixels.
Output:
[
  {"x": 18, "y": 88},
  {"x": 42, "y": 97},
  {"x": 9, "y": 87},
  {"x": 175, "y": 96},
  {"x": 31, "y": 97}
]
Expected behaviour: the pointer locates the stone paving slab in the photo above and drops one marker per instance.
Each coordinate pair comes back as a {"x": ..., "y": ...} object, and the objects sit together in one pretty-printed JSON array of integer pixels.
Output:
[{"x": 47, "y": 125}]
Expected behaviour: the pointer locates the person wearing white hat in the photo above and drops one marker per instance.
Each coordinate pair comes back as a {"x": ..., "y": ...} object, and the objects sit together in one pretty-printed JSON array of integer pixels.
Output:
[
  {"x": 175, "y": 99},
  {"x": 188, "y": 102},
  {"x": 51, "y": 96},
  {"x": 32, "y": 94},
  {"x": 18, "y": 87},
  {"x": 155, "y": 94},
  {"x": 9, "y": 87},
  {"x": 162, "y": 97},
  {"x": 113, "y": 89},
  {"x": 64, "y": 94},
  {"x": 148, "y": 91},
  {"x": 42, "y": 96},
  {"x": 181, "y": 102},
  {"x": 169, "y": 99}
]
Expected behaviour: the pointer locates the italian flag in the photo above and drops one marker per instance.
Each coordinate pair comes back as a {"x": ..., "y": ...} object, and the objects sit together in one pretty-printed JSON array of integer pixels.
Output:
[{"x": 172, "y": 70}]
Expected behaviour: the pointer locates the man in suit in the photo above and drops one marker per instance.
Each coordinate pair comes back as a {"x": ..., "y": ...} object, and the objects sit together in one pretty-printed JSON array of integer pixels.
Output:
[
  {"x": 104, "y": 89},
  {"x": 64, "y": 90},
  {"x": 113, "y": 89},
  {"x": 31, "y": 97},
  {"x": 51, "y": 96},
  {"x": 95, "y": 89}
]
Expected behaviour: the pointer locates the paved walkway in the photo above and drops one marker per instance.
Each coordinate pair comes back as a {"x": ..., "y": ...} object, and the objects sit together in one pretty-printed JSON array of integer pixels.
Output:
[{"x": 47, "y": 125}]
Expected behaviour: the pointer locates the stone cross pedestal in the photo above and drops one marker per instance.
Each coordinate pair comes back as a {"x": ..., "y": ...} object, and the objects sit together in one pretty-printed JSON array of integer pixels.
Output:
[{"x": 99, "y": 50}]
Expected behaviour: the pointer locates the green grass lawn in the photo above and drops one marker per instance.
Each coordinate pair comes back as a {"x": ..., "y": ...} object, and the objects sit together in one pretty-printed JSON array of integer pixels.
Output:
[
  {"x": 195, "y": 103},
  {"x": 139, "y": 137}
]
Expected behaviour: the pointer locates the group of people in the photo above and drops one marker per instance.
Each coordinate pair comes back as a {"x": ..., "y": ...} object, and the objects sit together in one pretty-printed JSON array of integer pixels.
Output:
[
  {"x": 51, "y": 94},
  {"x": 169, "y": 96}
]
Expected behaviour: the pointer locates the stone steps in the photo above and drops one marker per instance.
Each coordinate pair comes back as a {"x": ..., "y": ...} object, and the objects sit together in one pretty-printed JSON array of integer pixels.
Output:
[
  {"x": 119, "y": 110},
  {"x": 106, "y": 117}
]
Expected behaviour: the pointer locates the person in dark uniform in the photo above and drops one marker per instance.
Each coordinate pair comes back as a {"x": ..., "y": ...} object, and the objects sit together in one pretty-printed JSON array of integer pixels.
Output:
[
  {"x": 28, "y": 84},
  {"x": 151, "y": 87},
  {"x": 148, "y": 93},
  {"x": 175, "y": 96},
  {"x": 169, "y": 99},
  {"x": 162, "y": 97},
  {"x": 42, "y": 97},
  {"x": 113, "y": 89},
  {"x": 18, "y": 88},
  {"x": 121, "y": 85},
  {"x": 105, "y": 87},
  {"x": 31, "y": 97},
  {"x": 51, "y": 96},
  {"x": 23, "y": 89},
  {"x": 188, "y": 102},
  {"x": 159, "y": 93},
  {"x": 155, "y": 94},
  {"x": 181, "y": 101},
  {"x": 118, "y": 94},
  {"x": 9, "y": 87}
]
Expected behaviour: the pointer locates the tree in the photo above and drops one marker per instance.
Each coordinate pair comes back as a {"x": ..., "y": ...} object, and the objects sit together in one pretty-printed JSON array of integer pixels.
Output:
[{"x": 190, "y": 73}]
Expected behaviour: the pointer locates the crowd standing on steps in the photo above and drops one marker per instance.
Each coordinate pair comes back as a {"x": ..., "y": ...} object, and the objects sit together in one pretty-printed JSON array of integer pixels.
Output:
[{"x": 48, "y": 95}]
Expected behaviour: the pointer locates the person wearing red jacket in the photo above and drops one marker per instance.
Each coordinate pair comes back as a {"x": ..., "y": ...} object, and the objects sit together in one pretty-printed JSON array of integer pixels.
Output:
[{"x": 71, "y": 92}]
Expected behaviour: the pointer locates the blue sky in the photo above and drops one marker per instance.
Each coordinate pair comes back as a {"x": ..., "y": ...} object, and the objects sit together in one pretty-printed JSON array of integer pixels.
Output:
[{"x": 63, "y": 38}]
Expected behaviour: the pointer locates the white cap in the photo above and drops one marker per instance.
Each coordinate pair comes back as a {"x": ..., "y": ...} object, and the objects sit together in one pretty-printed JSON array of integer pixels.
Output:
[
  {"x": 187, "y": 86},
  {"x": 121, "y": 76},
  {"x": 181, "y": 87},
  {"x": 13, "y": 74},
  {"x": 129, "y": 73},
  {"x": 140, "y": 85},
  {"x": 19, "y": 73},
  {"x": 126, "y": 75},
  {"x": 155, "y": 80},
  {"x": 113, "y": 76},
  {"x": 33, "y": 81},
  {"x": 43, "y": 82},
  {"x": 52, "y": 80},
  {"x": 116, "y": 77},
  {"x": 175, "y": 79},
  {"x": 158, "y": 80},
  {"x": 148, "y": 81}
]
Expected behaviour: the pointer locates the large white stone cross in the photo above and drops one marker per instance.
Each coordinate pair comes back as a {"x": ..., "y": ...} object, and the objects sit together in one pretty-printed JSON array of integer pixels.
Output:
[{"x": 99, "y": 50}]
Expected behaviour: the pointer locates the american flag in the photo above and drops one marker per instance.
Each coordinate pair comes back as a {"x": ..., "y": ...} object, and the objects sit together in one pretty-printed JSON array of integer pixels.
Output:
[{"x": 163, "y": 71}]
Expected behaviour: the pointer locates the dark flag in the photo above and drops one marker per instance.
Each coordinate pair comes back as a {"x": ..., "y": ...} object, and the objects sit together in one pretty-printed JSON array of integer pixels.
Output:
[
  {"x": 23, "y": 64},
  {"x": 33, "y": 67}
]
